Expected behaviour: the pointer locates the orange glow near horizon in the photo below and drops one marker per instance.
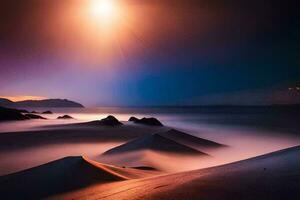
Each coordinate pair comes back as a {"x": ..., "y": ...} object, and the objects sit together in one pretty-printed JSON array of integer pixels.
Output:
[{"x": 22, "y": 98}]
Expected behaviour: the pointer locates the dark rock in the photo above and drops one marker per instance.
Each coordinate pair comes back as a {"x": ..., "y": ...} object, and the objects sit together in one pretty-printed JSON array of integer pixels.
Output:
[
  {"x": 34, "y": 112},
  {"x": 24, "y": 111},
  {"x": 110, "y": 121},
  {"x": 133, "y": 119},
  {"x": 65, "y": 117},
  {"x": 32, "y": 116},
  {"x": 149, "y": 121},
  {"x": 7, "y": 114},
  {"x": 47, "y": 112}
]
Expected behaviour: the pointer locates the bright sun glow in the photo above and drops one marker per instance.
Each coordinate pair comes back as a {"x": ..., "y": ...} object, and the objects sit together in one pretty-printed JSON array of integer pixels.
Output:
[{"x": 103, "y": 9}]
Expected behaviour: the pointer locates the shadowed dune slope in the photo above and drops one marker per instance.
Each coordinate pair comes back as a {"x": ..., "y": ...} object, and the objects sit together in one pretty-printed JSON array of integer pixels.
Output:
[
  {"x": 62, "y": 175},
  {"x": 190, "y": 140},
  {"x": 154, "y": 142}
]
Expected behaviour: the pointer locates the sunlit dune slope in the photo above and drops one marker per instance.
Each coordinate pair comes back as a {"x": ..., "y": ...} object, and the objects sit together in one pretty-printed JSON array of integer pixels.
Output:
[
  {"x": 273, "y": 176},
  {"x": 62, "y": 175},
  {"x": 123, "y": 172}
]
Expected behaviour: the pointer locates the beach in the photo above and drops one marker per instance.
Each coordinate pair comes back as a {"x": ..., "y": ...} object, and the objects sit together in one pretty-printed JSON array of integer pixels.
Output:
[{"x": 141, "y": 154}]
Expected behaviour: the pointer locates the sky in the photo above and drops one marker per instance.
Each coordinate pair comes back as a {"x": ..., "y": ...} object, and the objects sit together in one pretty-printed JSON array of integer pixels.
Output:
[{"x": 151, "y": 52}]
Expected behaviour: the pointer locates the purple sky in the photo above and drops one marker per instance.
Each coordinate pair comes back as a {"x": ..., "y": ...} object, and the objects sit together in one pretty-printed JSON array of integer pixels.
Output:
[{"x": 160, "y": 52}]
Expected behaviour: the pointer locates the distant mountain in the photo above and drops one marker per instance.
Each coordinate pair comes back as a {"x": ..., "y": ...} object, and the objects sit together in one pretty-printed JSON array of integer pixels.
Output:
[
  {"x": 40, "y": 103},
  {"x": 5, "y": 102}
]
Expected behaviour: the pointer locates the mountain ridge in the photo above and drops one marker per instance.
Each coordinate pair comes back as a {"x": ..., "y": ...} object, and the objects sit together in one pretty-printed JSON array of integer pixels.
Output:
[{"x": 40, "y": 103}]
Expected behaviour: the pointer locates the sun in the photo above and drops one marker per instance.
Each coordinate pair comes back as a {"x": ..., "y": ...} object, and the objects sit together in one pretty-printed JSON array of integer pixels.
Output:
[{"x": 103, "y": 9}]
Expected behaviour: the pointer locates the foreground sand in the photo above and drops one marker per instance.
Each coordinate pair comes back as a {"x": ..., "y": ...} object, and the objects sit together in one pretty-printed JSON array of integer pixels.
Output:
[
  {"x": 67, "y": 174},
  {"x": 272, "y": 176}
]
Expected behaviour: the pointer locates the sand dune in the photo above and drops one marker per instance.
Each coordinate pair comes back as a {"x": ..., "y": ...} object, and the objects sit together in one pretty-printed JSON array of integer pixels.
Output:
[
  {"x": 155, "y": 142},
  {"x": 168, "y": 150},
  {"x": 272, "y": 176},
  {"x": 190, "y": 140},
  {"x": 70, "y": 173},
  {"x": 73, "y": 133},
  {"x": 123, "y": 172},
  {"x": 49, "y": 143}
]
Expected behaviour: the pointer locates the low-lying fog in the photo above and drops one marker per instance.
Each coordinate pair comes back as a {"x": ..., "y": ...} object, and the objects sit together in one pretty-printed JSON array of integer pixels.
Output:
[{"x": 244, "y": 141}]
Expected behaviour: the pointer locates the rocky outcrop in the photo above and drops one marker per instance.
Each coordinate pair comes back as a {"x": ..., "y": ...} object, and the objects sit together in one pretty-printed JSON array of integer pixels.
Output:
[
  {"x": 110, "y": 121},
  {"x": 146, "y": 121},
  {"x": 133, "y": 119},
  {"x": 8, "y": 114},
  {"x": 33, "y": 116},
  {"x": 47, "y": 112},
  {"x": 65, "y": 117}
]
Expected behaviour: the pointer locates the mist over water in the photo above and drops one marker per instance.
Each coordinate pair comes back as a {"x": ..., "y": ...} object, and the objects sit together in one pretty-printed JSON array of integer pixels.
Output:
[{"x": 247, "y": 131}]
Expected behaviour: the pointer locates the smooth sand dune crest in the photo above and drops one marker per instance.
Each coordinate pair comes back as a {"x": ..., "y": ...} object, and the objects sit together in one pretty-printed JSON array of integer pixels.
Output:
[
  {"x": 190, "y": 140},
  {"x": 274, "y": 176},
  {"x": 154, "y": 142},
  {"x": 123, "y": 172},
  {"x": 67, "y": 174},
  {"x": 163, "y": 161},
  {"x": 169, "y": 151}
]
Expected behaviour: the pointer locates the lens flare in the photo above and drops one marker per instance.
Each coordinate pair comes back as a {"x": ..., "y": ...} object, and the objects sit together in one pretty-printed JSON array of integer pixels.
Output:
[{"x": 105, "y": 10}]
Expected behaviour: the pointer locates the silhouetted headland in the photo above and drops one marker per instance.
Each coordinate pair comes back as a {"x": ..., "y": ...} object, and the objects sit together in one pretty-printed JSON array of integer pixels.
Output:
[{"x": 40, "y": 103}]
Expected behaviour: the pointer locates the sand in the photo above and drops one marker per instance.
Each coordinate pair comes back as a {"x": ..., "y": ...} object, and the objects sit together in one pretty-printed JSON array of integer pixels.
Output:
[
  {"x": 49, "y": 143},
  {"x": 70, "y": 173},
  {"x": 154, "y": 142},
  {"x": 40, "y": 165},
  {"x": 272, "y": 176}
]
